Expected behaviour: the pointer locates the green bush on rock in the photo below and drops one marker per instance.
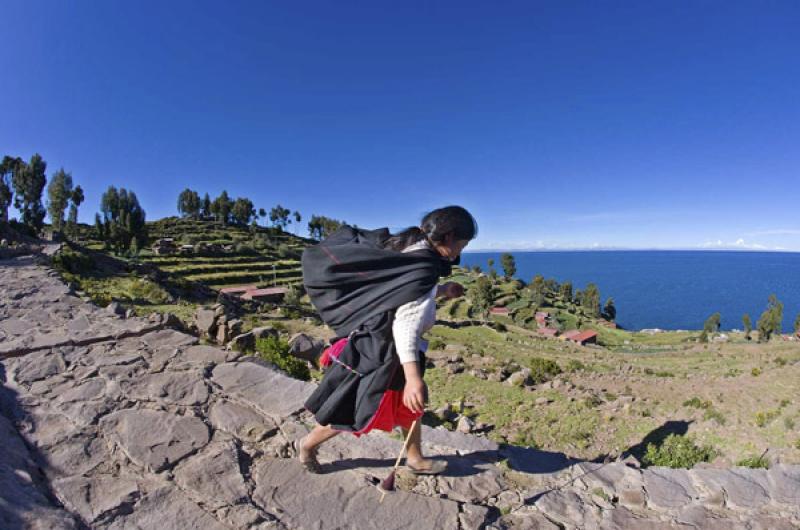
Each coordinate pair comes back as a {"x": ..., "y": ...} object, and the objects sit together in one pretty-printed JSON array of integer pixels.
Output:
[
  {"x": 677, "y": 451},
  {"x": 276, "y": 351}
]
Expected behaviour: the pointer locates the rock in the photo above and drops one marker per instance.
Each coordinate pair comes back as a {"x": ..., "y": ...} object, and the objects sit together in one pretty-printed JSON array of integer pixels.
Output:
[
  {"x": 206, "y": 322},
  {"x": 130, "y": 313},
  {"x": 213, "y": 474},
  {"x": 223, "y": 333},
  {"x": 115, "y": 309},
  {"x": 543, "y": 400},
  {"x": 240, "y": 421},
  {"x": 234, "y": 327},
  {"x": 744, "y": 490},
  {"x": 166, "y": 509},
  {"x": 305, "y": 347},
  {"x": 175, "y": 388},
  {"x": 155, "y": 440},
  {"x": 39, "y": 365},
  {"x": 264, "y": 331},
  {"x": 266, "y": 389},
  {"x": 244, "y": 342},
  {"x": 520, "y": 378},
  {"x": 465, "y": 425},
  {"x": 91, "y": 497},
  {"x": 667, "y": 488},
  {"x": 339, "y": 500}
]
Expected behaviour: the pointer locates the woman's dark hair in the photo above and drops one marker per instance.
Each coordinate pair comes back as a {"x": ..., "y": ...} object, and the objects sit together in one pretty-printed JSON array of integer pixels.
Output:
[{"x": 435, "y": 226}]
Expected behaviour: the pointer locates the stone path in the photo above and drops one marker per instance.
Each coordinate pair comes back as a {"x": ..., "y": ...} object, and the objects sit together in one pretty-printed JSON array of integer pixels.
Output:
[{"x": 120, "y": 423}]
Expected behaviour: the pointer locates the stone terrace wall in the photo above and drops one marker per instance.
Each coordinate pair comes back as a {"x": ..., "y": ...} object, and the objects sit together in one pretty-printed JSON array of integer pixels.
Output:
[{"x": 116, "y": 423}]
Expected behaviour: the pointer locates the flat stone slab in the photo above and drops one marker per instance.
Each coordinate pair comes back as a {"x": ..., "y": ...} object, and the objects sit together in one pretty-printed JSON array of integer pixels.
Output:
[
  {"x": 263, "y": 388},
  {"x": 155, "y": 440},
  {"x": 213, "y": 474},
  {"x": 668, "y": 489},
  {"x": 92, "y": 497},
  {"x": 176, "y": 388},
  {"x": 167, "y": 509},
  {"x": 745, "y": 490},
  {"x": 240, "y": 421},
  {"x": 343, "y": 500}
]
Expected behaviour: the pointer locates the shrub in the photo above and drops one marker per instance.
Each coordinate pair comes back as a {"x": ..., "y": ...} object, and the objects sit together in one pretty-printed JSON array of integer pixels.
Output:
[
  {"x": 542, "y": 369},
  {"x": 715, "y": 415},
  {"x": 697, "y": 403},
  {"x": 276, "y": 351},
  {"x": 763, "y": 418},
  {"x": 677, "y": 451},
  {"x": 436, "y": 344},
  {"x": 755, "y": 372},
  {"x": 754, "y": 462},
  {"x": 575, "y": 365},
  {"x": 780, "y": 361}
]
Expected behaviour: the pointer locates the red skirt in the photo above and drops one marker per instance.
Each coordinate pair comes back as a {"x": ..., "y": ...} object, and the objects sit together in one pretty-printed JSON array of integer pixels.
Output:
[{"x": 391, "y": 412}]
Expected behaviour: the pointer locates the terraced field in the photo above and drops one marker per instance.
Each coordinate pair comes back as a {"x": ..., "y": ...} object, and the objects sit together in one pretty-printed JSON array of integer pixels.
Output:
[{"x": 263, "y": 256}]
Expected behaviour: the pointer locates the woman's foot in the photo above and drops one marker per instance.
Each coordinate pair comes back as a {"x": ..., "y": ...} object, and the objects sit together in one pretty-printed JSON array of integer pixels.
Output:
[
  {"x": 426, "y": 466},
  {"x": 307, "y": 457}
]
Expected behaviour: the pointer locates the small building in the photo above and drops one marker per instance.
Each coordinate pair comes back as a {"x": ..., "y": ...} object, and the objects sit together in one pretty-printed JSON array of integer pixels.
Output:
[
  {"x": 548, "y": 332},
  {"x": 187, "y": 249},
  {"x": 270, "y": 294},
  {"x": 542, "y": 318},
  {"x": 238, "y": 290},
  {"x": 500, "y": 311},
  {"x": 164, "y": 246},
  {"x": 585, "y": 337},
  {"x": 570, "y": 334}
]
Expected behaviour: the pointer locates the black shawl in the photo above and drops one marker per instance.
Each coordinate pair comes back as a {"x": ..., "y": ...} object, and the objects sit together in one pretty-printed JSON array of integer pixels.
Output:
[{"x": 356, "y": 285}]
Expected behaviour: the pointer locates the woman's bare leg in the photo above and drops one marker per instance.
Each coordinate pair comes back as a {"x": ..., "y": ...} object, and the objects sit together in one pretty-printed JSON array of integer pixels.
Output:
[
  {"x": 414, "y": 450},
  {"x": 310, "y": 443}
]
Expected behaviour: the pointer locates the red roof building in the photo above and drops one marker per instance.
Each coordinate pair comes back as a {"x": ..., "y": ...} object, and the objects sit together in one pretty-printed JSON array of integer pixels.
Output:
[
  {"x": 270, "y": 294},
  {"x": 238, "y": 290},
  {"x": 571, "y": 334},
  {"x": 503, "y": 311},
  {"x": 585, "y": 337},
  {"x": 547, "y": 332}
]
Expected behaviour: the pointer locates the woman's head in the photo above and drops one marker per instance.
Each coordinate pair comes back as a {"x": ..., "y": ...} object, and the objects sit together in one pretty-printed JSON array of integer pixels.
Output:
[{"x": 447, "y": 229}]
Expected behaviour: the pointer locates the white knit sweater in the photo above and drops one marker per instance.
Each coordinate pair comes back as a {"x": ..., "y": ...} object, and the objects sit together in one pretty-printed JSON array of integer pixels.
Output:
[{"x": 414, "y": 318}]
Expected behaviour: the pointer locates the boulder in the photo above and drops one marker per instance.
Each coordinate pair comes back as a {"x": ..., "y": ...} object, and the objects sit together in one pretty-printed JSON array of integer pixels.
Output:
[
  {"x": 206, "y": 322},
  {"x": 305, "y": 347},
  {"x": 115, "y": 309}
]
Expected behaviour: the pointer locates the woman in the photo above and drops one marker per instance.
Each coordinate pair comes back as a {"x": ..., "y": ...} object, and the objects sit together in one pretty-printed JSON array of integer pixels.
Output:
[{"x": 377, "y": 291}]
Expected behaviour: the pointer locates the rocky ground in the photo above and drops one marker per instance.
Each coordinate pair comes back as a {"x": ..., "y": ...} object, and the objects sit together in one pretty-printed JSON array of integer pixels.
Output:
[{"x": 113, "y": 422}]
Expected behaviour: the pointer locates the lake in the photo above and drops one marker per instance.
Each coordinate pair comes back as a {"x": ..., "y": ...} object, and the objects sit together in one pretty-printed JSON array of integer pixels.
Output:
[{"x": 670, "y": 289}]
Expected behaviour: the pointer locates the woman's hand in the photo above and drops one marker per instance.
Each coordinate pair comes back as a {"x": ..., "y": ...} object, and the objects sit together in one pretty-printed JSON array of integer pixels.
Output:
[
  {"x": 450, "y": 290},
  {"x": 415, "y": 394}
]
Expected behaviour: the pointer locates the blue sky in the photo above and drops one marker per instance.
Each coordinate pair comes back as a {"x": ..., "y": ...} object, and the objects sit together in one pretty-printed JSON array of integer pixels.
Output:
[{"x": 558, "y": 124}]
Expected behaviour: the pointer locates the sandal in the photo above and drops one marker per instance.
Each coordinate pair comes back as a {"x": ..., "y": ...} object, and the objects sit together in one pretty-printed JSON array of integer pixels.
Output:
[
  {"x": 311, "y": 465},
  {"x": 436, "y": 468}
]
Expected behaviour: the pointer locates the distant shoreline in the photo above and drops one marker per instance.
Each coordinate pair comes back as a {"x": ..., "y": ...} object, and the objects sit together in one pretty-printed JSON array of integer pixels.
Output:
[{"x": 698, "y": 250}]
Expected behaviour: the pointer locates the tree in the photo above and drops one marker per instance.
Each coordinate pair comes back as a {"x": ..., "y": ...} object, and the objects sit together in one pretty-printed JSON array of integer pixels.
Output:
[
  {"x": 123, "y": 220},
  {"x": 72, "y": 218},
  {"x": 205, "y": 206},
  {"x": 481, "y": 296},
  {"x": 476, "y": 269},
  {"x": 590, "y": 300},
  {"x": 262, "y": 213},
  {"x": 566, "y": 291},
  {"x": 711, "y": 326},
  {"x": 509, "y": 265},
  {"x": 242, "y": 211},
  {"x": 537, "y": 290},
  {"x": 320, "y": 227},
  {"x": 490, "y": 263},
  {"x": 189, "y": 203},
  {"x": 771, "y": 320},
  {"x": 221, "y": 207},
  {"x": 748, "y": 326},
  {"x": 297, "y": 217},
  {"x": 279, "y": 216},
  {"x": 610, "y": 310},
  {"x": 28, "y": 182},
  {"x": 59, "y": 192},
  {"x": 797, "y": 325},
  {"x": 8, "y": 168}
]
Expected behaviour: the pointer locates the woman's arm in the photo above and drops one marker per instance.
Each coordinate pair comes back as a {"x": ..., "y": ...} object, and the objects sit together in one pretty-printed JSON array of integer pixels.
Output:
[{"x": 408, "y": 326}]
